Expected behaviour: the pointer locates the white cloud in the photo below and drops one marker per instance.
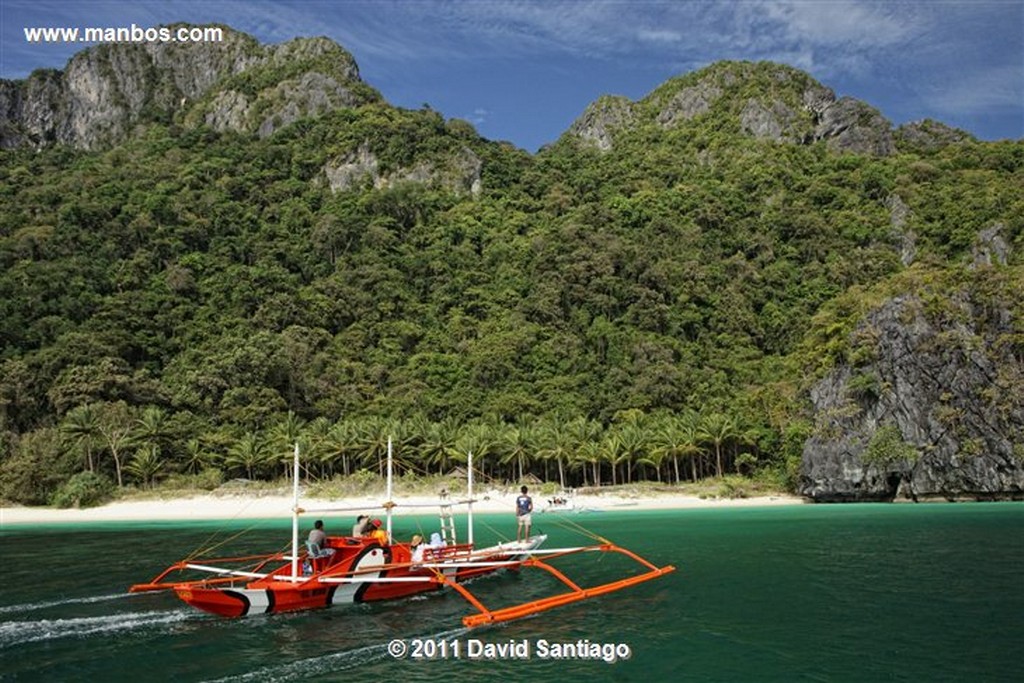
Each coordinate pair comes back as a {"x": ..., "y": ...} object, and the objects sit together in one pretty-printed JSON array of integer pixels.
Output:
[
  {"x": 977, "y": 91},
  {"x": 646, "y": 35},
  {"x": 864, "y": 25}
]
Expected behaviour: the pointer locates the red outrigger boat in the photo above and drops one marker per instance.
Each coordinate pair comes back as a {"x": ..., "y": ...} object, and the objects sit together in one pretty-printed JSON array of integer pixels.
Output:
[{"x": 364, "y": 570}]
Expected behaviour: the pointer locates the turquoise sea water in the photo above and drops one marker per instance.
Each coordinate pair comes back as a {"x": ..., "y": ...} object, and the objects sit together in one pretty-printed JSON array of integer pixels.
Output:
[{"x": 803, "y": 593}]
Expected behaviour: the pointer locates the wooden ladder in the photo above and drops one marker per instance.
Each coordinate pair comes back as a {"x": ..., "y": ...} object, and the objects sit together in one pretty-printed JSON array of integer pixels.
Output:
[{"x": 447, "y": 520}]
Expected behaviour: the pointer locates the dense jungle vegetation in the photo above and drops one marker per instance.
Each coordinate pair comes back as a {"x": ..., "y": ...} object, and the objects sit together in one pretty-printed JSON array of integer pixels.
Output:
[{"x": 190, "y": 302}]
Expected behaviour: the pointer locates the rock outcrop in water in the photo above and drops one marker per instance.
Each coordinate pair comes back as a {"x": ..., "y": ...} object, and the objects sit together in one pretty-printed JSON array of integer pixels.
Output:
[{"x": 937, "y": 410}]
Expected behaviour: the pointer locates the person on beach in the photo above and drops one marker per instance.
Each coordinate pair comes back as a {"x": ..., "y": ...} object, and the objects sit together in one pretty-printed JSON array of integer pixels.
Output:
[{"x": 524, "y": 506}]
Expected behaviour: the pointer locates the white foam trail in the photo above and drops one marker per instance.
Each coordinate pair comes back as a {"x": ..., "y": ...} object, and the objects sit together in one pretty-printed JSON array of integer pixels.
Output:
[
  {"x": 330, "y": 663},
  {"x": 21, "y": 632},
  {"x": 33, "y": 606}
]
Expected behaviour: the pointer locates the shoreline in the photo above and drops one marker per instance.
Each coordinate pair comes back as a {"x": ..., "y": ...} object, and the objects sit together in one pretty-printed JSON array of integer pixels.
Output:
[{"x": 211, "y": 507}]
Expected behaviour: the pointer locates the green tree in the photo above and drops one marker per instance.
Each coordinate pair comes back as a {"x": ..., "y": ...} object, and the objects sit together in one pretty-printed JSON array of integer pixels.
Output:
[
  {"x": 116, "y": 423},
  {"x": 554, "y": 442},
  {"x": 152, "y": 430},
  {"x": 373, "y": 438},
  {"x": 250, "y": 453},
  {"x": 197, "y": 456},
  {"x": 81, "y": 427},
  {"x": 718, "y": 429},
  {"x": 516, "y": 446},
  {"x": 145, "y": 465},
  {"x": 440, "y": 444},
  {"x": 342, "y": 444},
  {"x": 283, "y": 436}
]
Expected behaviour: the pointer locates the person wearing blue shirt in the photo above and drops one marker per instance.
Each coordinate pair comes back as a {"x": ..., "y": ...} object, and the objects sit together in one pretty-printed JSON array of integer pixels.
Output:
[{"x": 524, "y": 506}]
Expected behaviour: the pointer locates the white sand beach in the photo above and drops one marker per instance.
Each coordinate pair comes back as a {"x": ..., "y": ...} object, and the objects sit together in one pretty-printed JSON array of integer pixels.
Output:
[{"x": 248, "y": 506}]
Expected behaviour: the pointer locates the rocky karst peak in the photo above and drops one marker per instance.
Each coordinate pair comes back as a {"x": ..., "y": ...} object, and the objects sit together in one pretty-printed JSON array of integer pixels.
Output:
[
  {"x": 763, "y": 100},
  {"x": 104, "y": 92}
]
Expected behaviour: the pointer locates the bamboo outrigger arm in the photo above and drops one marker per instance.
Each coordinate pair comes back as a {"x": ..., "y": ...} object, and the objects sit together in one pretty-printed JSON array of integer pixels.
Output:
[
  {"x": 575, "y": 594},
  {"x": 226, "y": 575}
]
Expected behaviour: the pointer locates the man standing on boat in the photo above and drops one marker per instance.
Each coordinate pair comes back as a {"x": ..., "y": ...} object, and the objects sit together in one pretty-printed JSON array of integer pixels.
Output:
[{"x": 524, "y": 506}]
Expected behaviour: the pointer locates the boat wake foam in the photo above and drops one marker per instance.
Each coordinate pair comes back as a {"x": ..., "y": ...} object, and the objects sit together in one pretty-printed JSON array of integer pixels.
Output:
[
  {"x": 33, "y": 606},
  {"x": 21, "y": 632}
]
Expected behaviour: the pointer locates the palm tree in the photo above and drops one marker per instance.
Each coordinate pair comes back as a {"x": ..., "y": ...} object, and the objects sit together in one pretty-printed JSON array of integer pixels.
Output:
[
  {"x": 283, "y": 437},
  {"x": 631, "y": 428},
  {"x": 341, "y": 442},
  {"x": 414, "y": 432},
  {"x": 688, "y": 425},
  {"x": 313, "y": 440},
  {"x": 611, "y": 451},
  {"x": 479, "y": 438},
  {"x": 439, "y": 444},
  {"x": 633, "y": 443},
  {"x": 81, "y": 426},
  {"x": 145, "y": 465},
  {"x": 590, "y": 453},
  {"x": 249, "y": 452},
  {"x": 585, "y": 434},
  {"x": 197, "y": 458},
  {"x": 553, "y": 437},
  {"x": 373, "y": 441},
  {"x": 516, "y": 441},
  {"x": 718, "y": 429},
  {"x": 655, "y": 458},
  {"x": 152, "y": 428},
  {"x": 403, "y": 443},
  {"x": 677, "y": 437}
]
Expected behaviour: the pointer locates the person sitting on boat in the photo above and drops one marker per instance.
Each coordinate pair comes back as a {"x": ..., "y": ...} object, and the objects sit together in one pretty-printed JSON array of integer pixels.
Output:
[
  {"x": 436, "y": 542},
  {"x": 524, "y": 506},
  {"x": 417, "y": 547},
  {"x": 362, "y": 526},
  {"x": 317, "y": 541},
  {"x": 377, "y": 534}
]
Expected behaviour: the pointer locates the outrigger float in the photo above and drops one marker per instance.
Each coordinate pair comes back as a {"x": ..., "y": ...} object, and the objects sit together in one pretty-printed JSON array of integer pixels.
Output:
[{"x": 362, "y": 569}]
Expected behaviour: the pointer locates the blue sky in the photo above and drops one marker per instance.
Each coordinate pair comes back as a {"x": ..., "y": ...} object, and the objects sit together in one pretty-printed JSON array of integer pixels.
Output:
[{"x": 522, "y": 71}]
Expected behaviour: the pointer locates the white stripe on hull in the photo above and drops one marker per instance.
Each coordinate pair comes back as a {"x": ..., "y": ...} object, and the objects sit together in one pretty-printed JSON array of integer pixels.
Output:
[
  {"x": 259, "y": 601},
  {"x": 346, "y": 592}
]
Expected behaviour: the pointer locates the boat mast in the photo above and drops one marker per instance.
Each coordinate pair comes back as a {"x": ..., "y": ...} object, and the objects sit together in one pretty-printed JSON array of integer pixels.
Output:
[
  {"x": 389, "y": 504},
  {"x": 469, "y": 505},
  {"x": 295, "y": 513}
]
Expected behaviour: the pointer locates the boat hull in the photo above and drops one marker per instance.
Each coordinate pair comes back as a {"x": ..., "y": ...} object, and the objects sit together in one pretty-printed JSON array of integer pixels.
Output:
[{"x": 371, "y": 574}]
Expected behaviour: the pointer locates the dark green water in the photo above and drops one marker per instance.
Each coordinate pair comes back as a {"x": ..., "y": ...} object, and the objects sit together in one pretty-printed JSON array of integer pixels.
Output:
[{"x": 816, "y": 593}]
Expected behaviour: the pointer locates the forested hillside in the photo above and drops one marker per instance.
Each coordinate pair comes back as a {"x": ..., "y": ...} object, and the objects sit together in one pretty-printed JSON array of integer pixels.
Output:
[{"x": 653, "y": 296}]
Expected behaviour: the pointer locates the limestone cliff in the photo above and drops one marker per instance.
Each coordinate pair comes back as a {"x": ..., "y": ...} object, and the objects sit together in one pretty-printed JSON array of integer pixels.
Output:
[
  {"x": 238, "y": 84},
  {"x": 767, "y": 101},
  {"x": 601, "y": 118},
  {"x": 458, "y": 172},
  {"x": 935, "y": 406},
  {"x": 928, "y": 136}
]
